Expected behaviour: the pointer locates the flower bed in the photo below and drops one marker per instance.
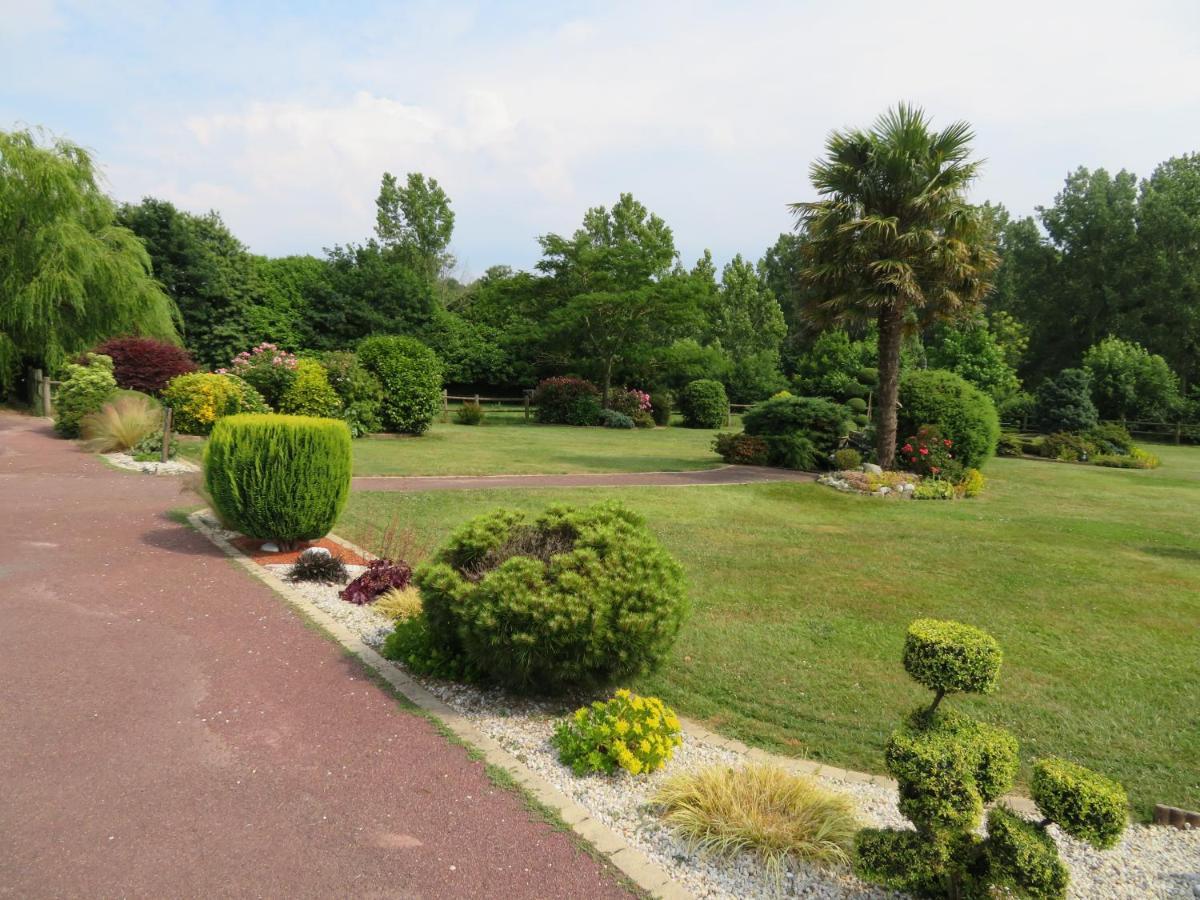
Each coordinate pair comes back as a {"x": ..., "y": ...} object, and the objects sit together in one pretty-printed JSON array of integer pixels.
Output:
[{"x": 881, "y": 484}]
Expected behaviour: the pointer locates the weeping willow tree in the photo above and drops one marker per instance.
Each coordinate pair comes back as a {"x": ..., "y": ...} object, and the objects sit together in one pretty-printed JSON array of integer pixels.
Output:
[{"x": 69, "y": 275}]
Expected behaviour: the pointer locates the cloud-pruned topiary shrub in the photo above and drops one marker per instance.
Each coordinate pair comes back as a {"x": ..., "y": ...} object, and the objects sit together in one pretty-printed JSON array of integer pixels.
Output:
[
  {"x": 950, "y": 767},
  {"x": 571, "y": 598},
  {"x": 280, "y": 478},
  {"x": 411, "y": 375},
  {"x": 960, "y": 411},
  {"x": 84, "y": 390},
  {"x": 145, "y": 364},
  {"x": 704, "y": 404}
]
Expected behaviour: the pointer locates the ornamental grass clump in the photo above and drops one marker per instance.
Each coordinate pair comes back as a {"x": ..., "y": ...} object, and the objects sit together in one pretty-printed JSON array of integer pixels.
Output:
[
  {"x": 399, "y": 604},
  {"x": 279, "y": 478},
  {"x": 122, "y": 423},
  {"x": 637, "y": 734},
  {"x": 571, "y": 598},
  {"x": 950, "y": 767},
  {"x": 781, "y": 817},
  {"x": 319, "y": 567}
]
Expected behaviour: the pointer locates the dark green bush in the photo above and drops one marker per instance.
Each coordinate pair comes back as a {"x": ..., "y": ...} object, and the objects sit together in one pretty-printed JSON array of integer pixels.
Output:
[
  {"x": 918, "y": 864},
  {"x": 282, "y": 478},
  {"x": 610, "y": 418},
  {"x": 741, "y": 449},
  {"x": 84, "y": 390},
  {"x": 1083, "y": 803},
  {"x": 411, "y": 375},
  {"x": 951, "y": 657},
  {"x": 822, "y": 422},
  {"x": 704, "y": 404},
  {"x": 1022, "y": 857},
  {"x": 856, "y": 405},
  {"x": 1067, "y": 447},
  {"x": 1010, "y": 445},
  {"x": 359, "y": 390},
  {"x": 958, "y": 409},
  {"x": 470, "y": 413},
  {"x": 847, "y": 459},
  {"x": 1111, "y": 439},
  {"x": 574, "y": 597},
  {"x": 1064, "y": 402},
  {"x": 793, "y": 451},
  {"x": 661, "y": 404},
  {"x": 566, "y": 400}
]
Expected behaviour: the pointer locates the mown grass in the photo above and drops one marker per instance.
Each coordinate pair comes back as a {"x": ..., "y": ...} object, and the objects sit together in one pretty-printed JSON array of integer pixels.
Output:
[
  {"x": 1089, "y": 577},
  {"x": 507, "y": 444}
]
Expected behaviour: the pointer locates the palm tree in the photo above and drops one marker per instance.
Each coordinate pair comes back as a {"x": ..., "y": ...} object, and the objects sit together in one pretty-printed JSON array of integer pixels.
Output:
[{"x": 893, "y": 239}]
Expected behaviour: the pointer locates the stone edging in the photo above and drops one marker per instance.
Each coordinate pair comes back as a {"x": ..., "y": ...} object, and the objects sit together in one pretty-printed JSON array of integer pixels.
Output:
[{"x": 644, "y": 873}]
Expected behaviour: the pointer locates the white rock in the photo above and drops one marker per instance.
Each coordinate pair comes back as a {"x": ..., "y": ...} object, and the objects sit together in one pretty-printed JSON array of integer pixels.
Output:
[
  {"x": 885, "y": 490},
  {"x": 314, "y": 552},
  {"x": 270, "y": 547},
  {"x": 872, "y": 469}
]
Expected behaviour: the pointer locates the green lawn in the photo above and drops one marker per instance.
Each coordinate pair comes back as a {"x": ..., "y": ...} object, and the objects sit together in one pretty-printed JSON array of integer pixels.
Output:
[
  {"x": 1089, "y": 577},
  {"x": 510, "y": 445}
]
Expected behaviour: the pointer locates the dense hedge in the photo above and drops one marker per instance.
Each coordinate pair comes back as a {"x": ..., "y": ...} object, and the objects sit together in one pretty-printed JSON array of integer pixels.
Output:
[
  {"x": 959, "y": 410},
  {"x": 84, "y": 389},
  {"x": 566, "y": 400},
  {"x": 199, "y": 399},
  {"x": 574, "y": 597},
  {"x": 704, "y": 404},
  {"x": 411, "y": 375},
  {"x": 283, "y": 478},
  {"x": 145, "y": 364}
]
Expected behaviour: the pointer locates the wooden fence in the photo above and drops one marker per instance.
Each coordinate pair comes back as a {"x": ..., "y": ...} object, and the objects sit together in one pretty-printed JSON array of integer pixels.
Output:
[
  {"x": 1163, "y": 431},
  {"x": 525, "y": 402}
]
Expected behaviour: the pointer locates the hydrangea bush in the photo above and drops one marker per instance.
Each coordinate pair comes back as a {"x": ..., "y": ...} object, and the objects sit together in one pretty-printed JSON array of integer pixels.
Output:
[{"x": 266, "y": 368}]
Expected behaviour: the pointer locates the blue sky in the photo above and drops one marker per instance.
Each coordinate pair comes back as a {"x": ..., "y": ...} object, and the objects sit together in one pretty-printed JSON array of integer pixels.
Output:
[{"x": 283, "y": 116}]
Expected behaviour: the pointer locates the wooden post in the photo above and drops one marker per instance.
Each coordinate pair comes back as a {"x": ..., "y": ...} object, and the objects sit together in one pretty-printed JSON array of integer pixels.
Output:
[
  {"x": 445, "y": 405},
  {"x": 526, "y": 405},
  {"x": 47, "y": 403},
  {"x": 476, "y": 398},
  {"x": 729, "y": 416},
  {"x": 168, "y": 424}
]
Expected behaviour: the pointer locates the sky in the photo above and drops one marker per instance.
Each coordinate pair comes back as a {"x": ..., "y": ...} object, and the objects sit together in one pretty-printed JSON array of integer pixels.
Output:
[{"x": 283, "y": 116}]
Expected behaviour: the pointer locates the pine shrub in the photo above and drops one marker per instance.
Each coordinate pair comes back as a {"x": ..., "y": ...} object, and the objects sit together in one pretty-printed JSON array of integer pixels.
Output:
[
  {"x": 960, "y": 411},
  {"x": 145, "y": 364},
  {"x": 704, "y": 404},
  {"x": 822, "y": 423},
  {"x": 1064, "y": 402},
  {"x": 276, "y": 477},
  {"x": 573, "y": 597},
  {"x": 411, "y": 375}
]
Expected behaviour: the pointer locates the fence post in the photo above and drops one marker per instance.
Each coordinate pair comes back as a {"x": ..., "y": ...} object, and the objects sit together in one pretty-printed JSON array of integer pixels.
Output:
[
  {"x": 47, "y": 403},
  {"x": 168, "y": 424},
  {"x": 526, "y": 393},
  {"x": 445, "y": 405},
  {"x": 476, "y": 398},
  {"x": 729, "y": 416}
]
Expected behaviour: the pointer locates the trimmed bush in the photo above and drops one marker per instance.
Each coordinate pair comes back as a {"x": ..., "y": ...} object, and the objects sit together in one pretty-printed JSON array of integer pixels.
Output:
[
  {"x": 847, "y": 459},
  {"x": 950, "y": 657},
  {"x": 741, "y": 449},
  {"x": 1064, "y": 402},
  {"x": 470, "y": 413},
  {"x": 959, "y": 410},
  {"x": 661, "y": 404},
  {"x": 949, "y": 766},
  {"x": 637, "y": 734},
  {"x": 823, "y": 422},
  {"x": 358, "y": 389},
  {"x": 84, "y": 390},
  {"x": 199, "y": 399},
  {"x": 411, "y": 375},
  {"x": 280, "y": 478},
  {"x": 610, "y": 418},
  {"x": 566, "y": 400},
  {"x": 146, "y": 364},
  {"x": 574, "y": 597},
  {"x": 704, "y": 404},
  {"x": 1084, "y": 804},
  {"x": 310, "y": 393}
]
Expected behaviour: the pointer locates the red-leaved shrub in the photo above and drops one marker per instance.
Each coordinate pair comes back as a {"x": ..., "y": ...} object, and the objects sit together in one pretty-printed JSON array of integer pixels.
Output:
[
  {"x": 382, "y": 575},
  {"x": 144, "y": 364}
]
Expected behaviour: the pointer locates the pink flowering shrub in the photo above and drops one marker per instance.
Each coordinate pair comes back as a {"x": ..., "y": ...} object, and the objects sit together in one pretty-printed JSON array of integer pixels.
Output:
[
  {"x": 266, "y": 368},
  {"x": 629, "y": 402}
]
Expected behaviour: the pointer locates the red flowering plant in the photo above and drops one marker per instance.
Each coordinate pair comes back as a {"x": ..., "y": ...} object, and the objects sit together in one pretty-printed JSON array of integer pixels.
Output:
[{"x": 930, "y": 454}]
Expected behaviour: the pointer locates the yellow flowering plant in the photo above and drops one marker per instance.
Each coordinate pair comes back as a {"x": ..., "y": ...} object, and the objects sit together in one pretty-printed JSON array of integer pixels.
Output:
[{"x": 637, "y": 734}]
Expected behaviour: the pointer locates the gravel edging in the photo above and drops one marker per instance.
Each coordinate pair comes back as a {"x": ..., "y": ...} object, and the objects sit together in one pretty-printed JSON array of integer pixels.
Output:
[
  {"x": 171, "y": 467},
  {"x": 615, "y": 813}
]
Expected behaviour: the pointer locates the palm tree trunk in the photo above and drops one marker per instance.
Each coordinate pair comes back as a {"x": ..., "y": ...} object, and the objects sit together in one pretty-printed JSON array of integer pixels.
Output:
[{"x": 891, "y": 325}]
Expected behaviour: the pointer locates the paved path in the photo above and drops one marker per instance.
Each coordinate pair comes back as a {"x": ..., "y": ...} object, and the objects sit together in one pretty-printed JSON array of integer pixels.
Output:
[
  {"x": 723, "y": 475},
  {"x": 170, "y": 728}
]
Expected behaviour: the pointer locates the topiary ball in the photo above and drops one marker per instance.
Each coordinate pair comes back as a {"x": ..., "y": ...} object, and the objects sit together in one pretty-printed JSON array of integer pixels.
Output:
[
  {"x": 280, "y": 478},
  {"x": 1021, "y": 856},
  {"x": 704, "y": 404},
  {"x": 575, "y": 597},
  {"x": 1083, "y": 803},
  {"x": 951, "y": 657}
]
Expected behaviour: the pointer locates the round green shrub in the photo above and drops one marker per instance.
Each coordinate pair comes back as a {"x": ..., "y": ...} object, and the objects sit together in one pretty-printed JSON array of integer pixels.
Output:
[
  {"x": 822, "y": 422},
  {"x": 704, "y": 404},
  {"x": 959, "y": 410},
  {"x": 1022, "y": 857},
  {"x": 1064, "y": 402},
  {"x": 1083, "y": 803},
  {"x": 910, "y": 862},
  {"x": 198, "y": 399},
  {"x": 847, "y": 459},
  {"x": 951, "y": 657},
  {"x": 856, "y": 405},
  {"x": 84, "y": 390},
  {"x": 276, "y": 477},
  {"x": 411, "y": 375},
  {"x": 572, "y": 598},
  {"x": 310, "y": 393},
  {"x": 661, "y": 404}
]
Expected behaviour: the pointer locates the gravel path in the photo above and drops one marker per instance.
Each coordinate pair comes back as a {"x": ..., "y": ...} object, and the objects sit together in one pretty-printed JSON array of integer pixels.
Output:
[{"x": 1149, "y": 862}]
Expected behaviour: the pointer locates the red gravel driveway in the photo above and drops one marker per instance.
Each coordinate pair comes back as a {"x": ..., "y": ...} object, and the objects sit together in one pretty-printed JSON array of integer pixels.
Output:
[{"x": 170, "y": 728}]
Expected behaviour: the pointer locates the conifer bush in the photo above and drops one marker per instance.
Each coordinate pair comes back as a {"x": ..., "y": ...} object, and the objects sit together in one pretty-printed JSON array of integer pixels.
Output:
[
  {"x": 950, "y": 767},
  {"x": 573, "y": 597},
  {"x": 277, "y": 477}
]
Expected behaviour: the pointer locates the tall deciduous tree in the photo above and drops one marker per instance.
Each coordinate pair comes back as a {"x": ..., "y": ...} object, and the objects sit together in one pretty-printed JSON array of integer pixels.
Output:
[
  {"x": 70, "y": 276},
  {"x": 417, "y": 220},
  {"x": 893, "y": 238}
]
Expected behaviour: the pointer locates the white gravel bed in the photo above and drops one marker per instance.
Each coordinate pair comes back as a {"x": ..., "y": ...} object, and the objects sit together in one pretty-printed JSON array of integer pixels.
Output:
[
  {"x": 1149, "y": 862},
  {"x": 171, "y": 467}
]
